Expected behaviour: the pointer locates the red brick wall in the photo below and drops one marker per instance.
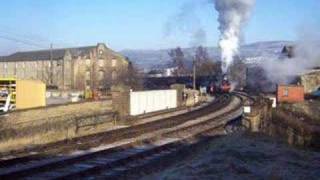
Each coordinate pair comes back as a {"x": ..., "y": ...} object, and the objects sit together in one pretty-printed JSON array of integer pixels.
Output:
[{"x": 291, "y": 94}]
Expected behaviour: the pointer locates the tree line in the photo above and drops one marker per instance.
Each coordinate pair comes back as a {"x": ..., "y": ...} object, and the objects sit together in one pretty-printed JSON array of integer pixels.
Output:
[{"x": 205, "y": 65}]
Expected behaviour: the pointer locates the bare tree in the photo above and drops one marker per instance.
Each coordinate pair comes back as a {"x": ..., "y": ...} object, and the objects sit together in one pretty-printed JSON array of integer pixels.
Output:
[
  {"x": 129, "y": 76},
  {"x": 205, "y": 65},
  {"x": 178, "y": 58}
]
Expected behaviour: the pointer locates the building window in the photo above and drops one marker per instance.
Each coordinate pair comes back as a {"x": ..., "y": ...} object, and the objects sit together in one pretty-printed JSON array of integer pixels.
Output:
[
  {"x": 113, "y": 62},
  {"x": 88, "y": 62},
  {"x": 101, "y": 75},
  {"x": 100, "y": 52},
  {"x": 88, "y": 75},
  {"x": 5, "y": 65},
  {"x": 59, "y": 63},
  {"x": 286, "y": 92},
  {"x": 114, "y": 75},
  {"x": 101, "y": 62}
]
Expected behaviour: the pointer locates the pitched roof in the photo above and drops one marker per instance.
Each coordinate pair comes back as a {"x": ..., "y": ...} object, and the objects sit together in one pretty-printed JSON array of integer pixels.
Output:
[
  {"x": 288, "y": 51},
  {"x": 45, "y": 54}
]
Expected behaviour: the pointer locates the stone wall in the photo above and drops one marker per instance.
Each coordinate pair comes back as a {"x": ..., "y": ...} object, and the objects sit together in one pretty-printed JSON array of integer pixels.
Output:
[
  {"x": 121, "y": 100},
  {"x": 295, "y": 128},
  {"x": 32, "y": 70},
  {"x": 309, "y": 109},
  {"x": 22, "y": 129},
  {"x": 180, "y": 93},
  {"x": 259, "y": 116}
]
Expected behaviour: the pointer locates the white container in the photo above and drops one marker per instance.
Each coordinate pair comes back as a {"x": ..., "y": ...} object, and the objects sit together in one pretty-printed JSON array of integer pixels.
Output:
[{"x": 151, "y": 101}]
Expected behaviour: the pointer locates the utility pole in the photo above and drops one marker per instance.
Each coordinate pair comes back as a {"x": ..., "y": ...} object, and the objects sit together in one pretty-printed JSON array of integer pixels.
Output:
[
  {"x": 51, "y": 65},
  {"x": 194, "y": 74}
]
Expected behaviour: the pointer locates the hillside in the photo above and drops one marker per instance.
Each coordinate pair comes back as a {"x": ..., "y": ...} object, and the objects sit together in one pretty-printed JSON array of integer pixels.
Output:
[{"x": 159, "y": 58}]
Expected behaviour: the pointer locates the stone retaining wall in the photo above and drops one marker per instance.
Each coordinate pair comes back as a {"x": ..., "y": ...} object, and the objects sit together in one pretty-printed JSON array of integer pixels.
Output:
[
  {"x": 281, "y": 123},
  {"x": 295, "y": 130},
  {"x": 22, "y": 129},
  {"x": 260, "y": 114}
]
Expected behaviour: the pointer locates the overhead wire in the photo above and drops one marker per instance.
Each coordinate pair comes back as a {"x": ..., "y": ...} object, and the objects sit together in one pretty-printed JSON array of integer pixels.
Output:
[
  {"x": 21, "y": 41},
  {"x": 27, "y": 40}
]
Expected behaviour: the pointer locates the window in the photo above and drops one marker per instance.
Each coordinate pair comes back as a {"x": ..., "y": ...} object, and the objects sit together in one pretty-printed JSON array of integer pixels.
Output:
[
  {"x": 114, "y": 63},
  {"x": 100, "y": 52},
  {"x": 286, "y": 92},
  {"x": 88, "y": 62},
  {"x": 100, "y": 75},
  {"x": 114, "y": 75},
  {"x": 88, "y": 75},
  {"x": 101, "y": 62}
]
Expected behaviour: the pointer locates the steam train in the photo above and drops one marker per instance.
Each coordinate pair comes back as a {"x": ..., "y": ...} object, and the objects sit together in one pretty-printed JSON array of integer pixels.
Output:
[
  {"x": 225, "y": 85},
  {"x": 222, "y": 87}
]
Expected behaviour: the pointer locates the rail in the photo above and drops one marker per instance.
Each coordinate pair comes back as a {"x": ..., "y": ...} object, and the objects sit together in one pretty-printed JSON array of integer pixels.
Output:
[{"x": 208, "y": 118}]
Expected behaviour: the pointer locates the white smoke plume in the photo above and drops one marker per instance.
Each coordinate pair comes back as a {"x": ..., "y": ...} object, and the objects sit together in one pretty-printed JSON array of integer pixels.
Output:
[
  {"x": 306, "y": 56},
  {"x": 187, "y": 22},
  {"x": 233, "y": 14}
]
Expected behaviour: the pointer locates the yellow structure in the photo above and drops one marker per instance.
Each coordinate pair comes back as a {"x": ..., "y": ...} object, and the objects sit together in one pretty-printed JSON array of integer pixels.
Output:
[{"x": 25, "y": 93}]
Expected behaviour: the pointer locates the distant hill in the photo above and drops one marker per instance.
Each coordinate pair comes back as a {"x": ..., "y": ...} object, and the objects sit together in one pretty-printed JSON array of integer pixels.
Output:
[{"x": 159, "y": 58}]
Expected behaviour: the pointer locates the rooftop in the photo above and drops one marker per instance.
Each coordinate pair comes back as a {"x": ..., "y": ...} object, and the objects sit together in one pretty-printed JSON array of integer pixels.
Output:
[{"x": 46, "y": 54}]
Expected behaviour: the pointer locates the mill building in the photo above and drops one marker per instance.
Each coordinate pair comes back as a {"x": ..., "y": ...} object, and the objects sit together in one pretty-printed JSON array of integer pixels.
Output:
[{"x": 95, "y": 67}]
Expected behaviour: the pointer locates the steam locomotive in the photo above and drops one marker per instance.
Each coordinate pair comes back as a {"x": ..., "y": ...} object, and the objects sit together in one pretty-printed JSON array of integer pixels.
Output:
[{"x": 224, "y": 86}]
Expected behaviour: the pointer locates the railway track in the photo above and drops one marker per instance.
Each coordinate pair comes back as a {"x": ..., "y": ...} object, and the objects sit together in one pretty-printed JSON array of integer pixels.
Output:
[
  {"x": 112, "y": 160},
  {"x": 112, "y": 136}
]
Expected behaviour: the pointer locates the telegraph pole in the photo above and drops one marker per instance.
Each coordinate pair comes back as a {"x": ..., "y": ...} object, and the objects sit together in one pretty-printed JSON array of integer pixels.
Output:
[
  {"x": 194, "y": 74},
  {"x": 51, "y": 65}
]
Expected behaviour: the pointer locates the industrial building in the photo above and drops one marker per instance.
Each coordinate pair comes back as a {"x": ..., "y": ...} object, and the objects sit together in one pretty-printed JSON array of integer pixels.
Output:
[{"x": 94, "y": 67}]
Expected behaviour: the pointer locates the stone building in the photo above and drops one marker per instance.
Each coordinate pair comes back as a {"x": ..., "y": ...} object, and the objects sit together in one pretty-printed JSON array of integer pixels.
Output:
[
  {"x": 310, "y": 81},
  {"x": 95, "y": 67}
]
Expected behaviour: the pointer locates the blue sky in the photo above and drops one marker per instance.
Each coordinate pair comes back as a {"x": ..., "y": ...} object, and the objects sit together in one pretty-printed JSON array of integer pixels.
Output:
[{"x": 138, "y": 24}]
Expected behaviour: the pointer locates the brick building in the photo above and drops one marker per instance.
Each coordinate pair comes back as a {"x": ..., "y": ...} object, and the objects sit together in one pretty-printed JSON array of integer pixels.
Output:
[
  {"x": 290, "y": 93},
  {"x": 69, "y": 68}
]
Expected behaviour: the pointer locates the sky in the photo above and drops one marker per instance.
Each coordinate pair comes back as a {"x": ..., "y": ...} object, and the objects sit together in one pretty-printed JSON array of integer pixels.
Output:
[{"x": 141, "y": 24}]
